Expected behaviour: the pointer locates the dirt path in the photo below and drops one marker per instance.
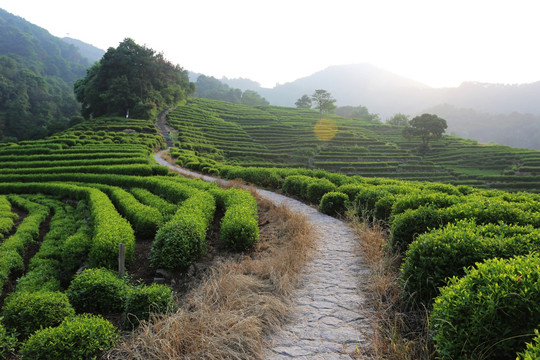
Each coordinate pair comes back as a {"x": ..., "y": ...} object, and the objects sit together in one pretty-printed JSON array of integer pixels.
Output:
[
  {"x": 331, "y": 319},
  {"x": 163, "y": 128}
]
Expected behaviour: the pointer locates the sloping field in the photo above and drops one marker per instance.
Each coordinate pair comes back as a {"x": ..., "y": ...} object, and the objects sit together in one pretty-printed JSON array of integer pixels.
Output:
[
  {"x": 288, "y": 137},
  {"x": 69, "y": 203}
]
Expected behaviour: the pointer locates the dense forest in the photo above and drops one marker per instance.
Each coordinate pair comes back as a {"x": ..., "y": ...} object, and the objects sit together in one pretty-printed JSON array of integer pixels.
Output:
[{"x": 37, "y": 72}]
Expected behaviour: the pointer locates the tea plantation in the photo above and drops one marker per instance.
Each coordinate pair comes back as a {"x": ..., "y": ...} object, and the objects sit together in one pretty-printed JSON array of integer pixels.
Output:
[
  {"x": 465, "y": 218},
  {"x": 469, "y": 247},
  {"x": 67, "y": 203}
]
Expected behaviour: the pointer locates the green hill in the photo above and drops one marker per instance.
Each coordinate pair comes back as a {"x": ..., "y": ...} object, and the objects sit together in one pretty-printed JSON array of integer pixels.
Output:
[
  {"x": 225, "y": 133},
  {"x": 37, "y": 73}
]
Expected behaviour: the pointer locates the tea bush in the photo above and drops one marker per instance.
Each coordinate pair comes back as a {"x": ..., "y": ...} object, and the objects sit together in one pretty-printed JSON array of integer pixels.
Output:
[
  {"x": 442, "y": 253},
  {"x": 98, "y": 291},
  {"x": 490, "y": 312},
  {"x": 143, "y": 300},
  {"x": 26, "y": 312},
  {"x": 80, "y": 337},
  {"x": 334, "y": 203},
  {"x": 532, "y": 352}
]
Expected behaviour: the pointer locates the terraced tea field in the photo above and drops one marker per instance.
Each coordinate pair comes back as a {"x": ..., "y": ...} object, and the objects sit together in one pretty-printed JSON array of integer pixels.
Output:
[
  {"x": 286, "y": 137},
  {"x": 68, "y": 203}
]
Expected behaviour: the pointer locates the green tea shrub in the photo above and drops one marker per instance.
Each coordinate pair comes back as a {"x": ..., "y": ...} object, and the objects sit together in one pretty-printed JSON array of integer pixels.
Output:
[
  {"x": 74, "y": 251},
  {"x": 491, "y": 312},
  {"x": 143, "y": 300},
  {"x": 8, "y": 343},
  {"x": 80, "y": 337},
  {"x": 442, "y": 253},
  {"x": 182, "y": 240},
  {"x": 443, "y": 188},
  {"x": 97, "y": 291},
  {"x": 334, "y": 203},
  {"x": 296, "y": 185},
  {"x": 407, "y": 225},
  {"x": 532, "y": 352},
  {"x": 26, "y": 312},
  {"x": 417, "y": 199},
  {"x": 316, "y": 188},
  {"x": 155, "y": 201}
]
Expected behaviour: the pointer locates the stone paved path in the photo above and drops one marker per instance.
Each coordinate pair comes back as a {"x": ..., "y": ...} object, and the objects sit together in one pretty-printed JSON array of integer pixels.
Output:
[{"x": 331, "y": 319}]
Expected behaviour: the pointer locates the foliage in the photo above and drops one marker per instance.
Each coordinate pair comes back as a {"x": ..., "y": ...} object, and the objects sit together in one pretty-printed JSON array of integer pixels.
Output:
[
  {"x": 533, "y": 349},
  {"x": 8, "y": 343},
  {"x": 143, "y": 300},
  {"x": 97, "y": 291},
  {"x": 37, "y": 72},
  {"x": 81, "y": 337},
  {"x": 442, "y": 253},
  {"x": 211, "y": 88},
  {"x": 398, "y": 119},
  {"x": 304, "y": 102},
  {"x": 26, "y": 312},
  {"x": 489, "y": 313},
  {"x": 334, "y": 203},
  {"x": 131, "y": 79},
  {"x": 324, "y": 102},
  {"x": 182, "y": 240},
  {"x": 427, "y": 127},
  {"x": 239, "y": 225}
]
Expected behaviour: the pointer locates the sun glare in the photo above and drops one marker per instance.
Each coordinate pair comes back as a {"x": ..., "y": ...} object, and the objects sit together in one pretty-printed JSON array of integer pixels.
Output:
[{"x": 325, "y": 129}]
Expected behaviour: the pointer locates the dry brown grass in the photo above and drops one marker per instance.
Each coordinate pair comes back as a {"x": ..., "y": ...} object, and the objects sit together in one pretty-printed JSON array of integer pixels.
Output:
[
  {"x": 400, "y": 332},
  {"x": 229, "y": 314}
]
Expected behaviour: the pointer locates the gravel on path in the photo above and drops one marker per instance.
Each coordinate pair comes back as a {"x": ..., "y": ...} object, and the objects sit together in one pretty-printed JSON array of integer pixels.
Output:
[{"x": 332, "y": 317}]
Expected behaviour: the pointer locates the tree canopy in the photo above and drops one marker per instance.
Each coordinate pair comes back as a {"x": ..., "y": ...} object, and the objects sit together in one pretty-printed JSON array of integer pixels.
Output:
[
  {"x": 324, "y": 102},
  {"x": 398, "y": 119},
  {"x": 304, "y": 102},
  {"x": 427, "y": 127},
  {"x": 37, "y": 72},
  {"x": 209, "y": 87},
  {"x": 131, "y": 79}
]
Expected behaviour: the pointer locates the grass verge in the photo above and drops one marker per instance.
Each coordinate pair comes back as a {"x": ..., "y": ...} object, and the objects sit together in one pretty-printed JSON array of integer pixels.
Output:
[{"x": 400, "y": 332}]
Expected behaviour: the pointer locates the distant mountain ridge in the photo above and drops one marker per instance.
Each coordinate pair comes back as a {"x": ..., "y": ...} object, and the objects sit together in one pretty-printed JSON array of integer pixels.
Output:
[
  {"x": 386, "y": 93},
  {"x": 90, "y": 52}
]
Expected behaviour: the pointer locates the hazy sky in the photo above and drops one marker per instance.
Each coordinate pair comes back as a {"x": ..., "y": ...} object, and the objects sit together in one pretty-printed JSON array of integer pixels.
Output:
[{"x": 440, "y": 43}]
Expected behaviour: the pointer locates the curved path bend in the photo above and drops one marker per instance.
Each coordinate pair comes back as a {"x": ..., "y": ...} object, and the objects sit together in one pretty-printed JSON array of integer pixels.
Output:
[{"x": 331, "y": 319}]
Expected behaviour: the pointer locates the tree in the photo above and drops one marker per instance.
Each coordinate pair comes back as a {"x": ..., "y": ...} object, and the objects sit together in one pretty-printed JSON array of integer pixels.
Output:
[
  {"x": 427, "y": 127},
  {"x": 131, "y": 78},
  {"x": 323, "y": 101},
  {"x": 303, "y": 103},
  {"x": 398, "y": 119}
]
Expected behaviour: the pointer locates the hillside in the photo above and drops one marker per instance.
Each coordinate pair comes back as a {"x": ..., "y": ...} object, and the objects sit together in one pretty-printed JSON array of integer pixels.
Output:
[
  {"x": 91, "y": 52},
  {"x": 501, "y": 113},
  {"x": 287, "y": 137},
  {"x": 37, "y": 73}
]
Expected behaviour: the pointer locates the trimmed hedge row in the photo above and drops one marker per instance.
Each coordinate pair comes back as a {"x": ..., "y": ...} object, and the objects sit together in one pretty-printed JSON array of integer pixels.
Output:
[
  {"x": 155, "y": 201},
  {"x": 130, "y": 169},
  {"x": 48, "y": 268},
  {"x": 442, "y": 253},
  {"x": 407, "y": 225},
  {"x": 144, "y": 219},
  {"x": 7, "y": 218},
  {"x": 182, "y": 239},
  {"x": 491, "y": 312},
  {"x": 25, "y": 312},
  {"x": 101, "y": 291},
  {"x": 109, "y": 228},
  {"x": 80, "y": 337},
  {"x": 239, "y": 225},
  {"x": 13, "y": 248}
]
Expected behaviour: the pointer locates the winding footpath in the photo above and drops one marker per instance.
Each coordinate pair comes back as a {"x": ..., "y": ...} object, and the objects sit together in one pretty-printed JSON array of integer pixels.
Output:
[{"x": 331, "y": 317}]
